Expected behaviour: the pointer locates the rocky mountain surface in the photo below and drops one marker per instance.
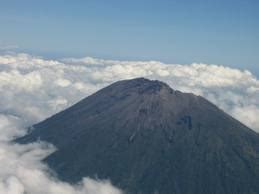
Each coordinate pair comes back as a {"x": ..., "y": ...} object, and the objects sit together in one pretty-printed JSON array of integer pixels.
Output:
[{"x": 150, "y": 139}]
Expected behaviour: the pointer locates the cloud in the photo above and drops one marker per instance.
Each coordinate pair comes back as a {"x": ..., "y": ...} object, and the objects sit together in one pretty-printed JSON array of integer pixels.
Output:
[
  {"x": 47, "y": 86},
  {"x": 33, "y": 88}
]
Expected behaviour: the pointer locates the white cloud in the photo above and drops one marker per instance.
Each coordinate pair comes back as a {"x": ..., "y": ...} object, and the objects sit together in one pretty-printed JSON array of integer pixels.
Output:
[
  {"x": 63, "y": 82},
  {"x": 45, "y": 82},
  {"x": 33, "y": 88},
  {"x": 27, "y": 81}
]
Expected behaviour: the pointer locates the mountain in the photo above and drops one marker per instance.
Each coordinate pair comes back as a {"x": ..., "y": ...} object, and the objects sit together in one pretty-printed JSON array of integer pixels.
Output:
[{"x": 150, "y": 139}]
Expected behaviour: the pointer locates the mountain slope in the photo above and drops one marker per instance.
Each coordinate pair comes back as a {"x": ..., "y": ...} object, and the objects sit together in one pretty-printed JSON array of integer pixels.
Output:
[{"x": 147, "y": 138}]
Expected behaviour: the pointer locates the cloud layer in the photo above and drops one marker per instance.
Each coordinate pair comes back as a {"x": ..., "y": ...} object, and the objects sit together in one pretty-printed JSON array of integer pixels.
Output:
[{"x": 33, "y": 88}]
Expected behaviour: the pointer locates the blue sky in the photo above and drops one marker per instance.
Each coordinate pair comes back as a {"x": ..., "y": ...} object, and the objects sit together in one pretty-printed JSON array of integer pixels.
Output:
[{"x": 176, "y": 31}]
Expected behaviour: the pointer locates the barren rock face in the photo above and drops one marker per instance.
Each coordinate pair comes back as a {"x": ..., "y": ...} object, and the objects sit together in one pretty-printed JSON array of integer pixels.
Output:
[{"x": 147, "y": 138}]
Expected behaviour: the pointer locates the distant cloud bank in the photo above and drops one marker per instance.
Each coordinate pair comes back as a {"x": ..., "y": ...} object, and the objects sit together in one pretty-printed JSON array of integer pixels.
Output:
[{"x": 33, "y": 88}]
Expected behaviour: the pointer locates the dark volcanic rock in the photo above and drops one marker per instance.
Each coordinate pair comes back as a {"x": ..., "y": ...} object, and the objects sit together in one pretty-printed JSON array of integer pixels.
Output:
[{"x": 147, "y": 138}]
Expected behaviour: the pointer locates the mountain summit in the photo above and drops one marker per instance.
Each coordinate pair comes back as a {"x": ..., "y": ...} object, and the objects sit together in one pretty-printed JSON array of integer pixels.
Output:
[{"x": 148, "y": 138}]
